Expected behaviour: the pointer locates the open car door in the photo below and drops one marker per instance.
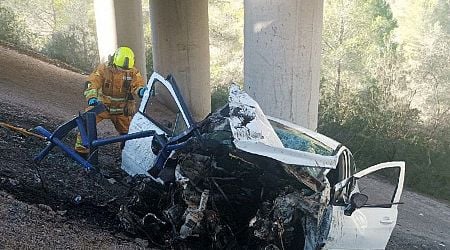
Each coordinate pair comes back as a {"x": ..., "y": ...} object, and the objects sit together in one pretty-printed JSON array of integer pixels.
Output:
[
  {"x": 163, "y": 110},
  {"x": 369, "y": 224}
]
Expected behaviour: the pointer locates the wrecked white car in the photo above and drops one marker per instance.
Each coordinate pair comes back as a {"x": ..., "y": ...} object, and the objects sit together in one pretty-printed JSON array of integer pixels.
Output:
[
  {"x": 242, "y": 179},
  {"x": 238, "y": 179}
]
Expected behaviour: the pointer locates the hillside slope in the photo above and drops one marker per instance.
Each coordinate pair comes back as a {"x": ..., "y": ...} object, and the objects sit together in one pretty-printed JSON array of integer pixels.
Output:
[
  {"x": 39, "y": 86},
  {"x": 34, "y": 92}
]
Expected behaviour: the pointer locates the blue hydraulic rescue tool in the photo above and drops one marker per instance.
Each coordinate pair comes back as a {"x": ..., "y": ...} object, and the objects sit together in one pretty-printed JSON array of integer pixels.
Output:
[{"x": 86, "y": 124}]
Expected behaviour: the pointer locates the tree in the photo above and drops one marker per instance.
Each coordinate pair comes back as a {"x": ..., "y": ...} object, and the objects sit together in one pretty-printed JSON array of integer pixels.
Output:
[
  {"x": 226, "y": 22},
  {"x": 385, "y": 85},
  {"x": 13, "y": 29}
]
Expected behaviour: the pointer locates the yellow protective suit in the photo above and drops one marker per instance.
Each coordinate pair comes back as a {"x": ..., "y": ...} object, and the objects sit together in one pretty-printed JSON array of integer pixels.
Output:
[{"x": 114, "y": 87}]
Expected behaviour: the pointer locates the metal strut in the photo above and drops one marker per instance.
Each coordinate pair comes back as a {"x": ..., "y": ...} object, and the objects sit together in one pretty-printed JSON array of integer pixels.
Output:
[{"x": 86, "y": 124}]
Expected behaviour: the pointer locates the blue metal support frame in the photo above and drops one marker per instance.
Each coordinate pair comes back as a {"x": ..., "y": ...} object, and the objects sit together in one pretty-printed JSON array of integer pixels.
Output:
[
  {"x": 121, "y": 138},
  {"x": 59, "y": 133},
  {"x": 57, "y": 142},
  {"x": 86, "y": 123},
  {"x": 87, "y": 126},
  {"x": 91, "y": 125},
  {"x": 175, "y": 143},
  {"x": 82, "y": 130}
]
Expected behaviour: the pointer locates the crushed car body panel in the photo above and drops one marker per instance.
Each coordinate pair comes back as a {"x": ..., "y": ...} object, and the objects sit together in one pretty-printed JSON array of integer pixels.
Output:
[
  {"x": 253, "y": 133},
  {"x": 137, "y": 156},
  {"x": 248, "y": 122},
  {"x": 242, "y": 179},
  {"x": 299, "y": 152},
  {"x": 327, "y": 142},
  {"x": 288, "y": 156}
]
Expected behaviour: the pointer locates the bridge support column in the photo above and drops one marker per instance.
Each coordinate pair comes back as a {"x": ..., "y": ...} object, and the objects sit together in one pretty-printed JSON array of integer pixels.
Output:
[
  {"x": 105, "y": 22},
  {"x": 282, "y": 49},
  {"x": 119, "y": 23},
  {"x": 181, "y": 47}
]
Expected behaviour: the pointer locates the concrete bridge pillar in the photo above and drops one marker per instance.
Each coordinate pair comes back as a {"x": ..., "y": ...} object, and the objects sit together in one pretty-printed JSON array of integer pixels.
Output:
[
  {"x": 119, "y": 23},
  {"x": 181, "y": 47},
  {"x": 105, "y": 24},
  {"x": 282, "y": 57},
  {"x": 130, "y": 30},
  {"x": 281, "y": 50}
]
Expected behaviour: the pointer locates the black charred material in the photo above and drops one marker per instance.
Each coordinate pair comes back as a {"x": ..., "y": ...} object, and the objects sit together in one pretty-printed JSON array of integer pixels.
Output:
[
  {"x": 279, "y": 223},
  {"x": 253, "y": 201},
  {"x": 304, "y": 177}
]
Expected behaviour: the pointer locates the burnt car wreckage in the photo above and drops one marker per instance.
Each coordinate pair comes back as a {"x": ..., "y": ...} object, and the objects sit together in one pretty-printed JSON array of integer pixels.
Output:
[{"x": 238, "y": 179}]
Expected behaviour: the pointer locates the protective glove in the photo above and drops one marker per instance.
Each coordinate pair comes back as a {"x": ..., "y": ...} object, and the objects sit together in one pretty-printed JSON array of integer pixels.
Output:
[
  {"x": 93, "y": 101},
  {"x": 142, "y": 91}
]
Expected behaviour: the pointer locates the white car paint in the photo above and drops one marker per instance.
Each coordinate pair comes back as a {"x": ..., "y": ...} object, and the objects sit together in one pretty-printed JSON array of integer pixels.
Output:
[
  {"x": 289, "y": 156},
  {"x": 258, "y": 136},
  {"x": 137, "y": 155},
  {"x": 257, "y": 130},
  {"x": 367, "y": 227}
]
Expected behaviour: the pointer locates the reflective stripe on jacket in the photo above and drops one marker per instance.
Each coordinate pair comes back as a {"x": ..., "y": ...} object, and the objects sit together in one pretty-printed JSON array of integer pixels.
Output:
[{"x": 113, "y": 86}]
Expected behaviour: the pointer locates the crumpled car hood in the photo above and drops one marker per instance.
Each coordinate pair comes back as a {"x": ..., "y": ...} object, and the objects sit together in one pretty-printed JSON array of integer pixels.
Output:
[
  {"x": 253, "y": 133},
  {"x": 235, "y": 184}
]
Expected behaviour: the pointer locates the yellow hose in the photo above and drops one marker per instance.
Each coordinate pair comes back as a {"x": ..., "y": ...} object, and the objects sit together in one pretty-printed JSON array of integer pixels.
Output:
[{"x": 21, "y": 130}]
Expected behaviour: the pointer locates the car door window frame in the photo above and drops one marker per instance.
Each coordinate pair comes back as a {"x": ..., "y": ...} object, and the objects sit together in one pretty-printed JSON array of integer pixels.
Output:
[
  {"x": 349, "y": 185},
  {"x": 171, "y": 86}
]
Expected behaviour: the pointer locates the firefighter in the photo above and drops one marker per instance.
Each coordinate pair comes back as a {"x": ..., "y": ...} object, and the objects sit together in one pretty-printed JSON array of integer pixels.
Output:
[{"x": 115, "y": 84}]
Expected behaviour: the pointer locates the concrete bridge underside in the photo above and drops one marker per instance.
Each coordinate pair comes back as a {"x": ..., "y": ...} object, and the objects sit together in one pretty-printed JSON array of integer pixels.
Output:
[{"x": 281, "y": 50}]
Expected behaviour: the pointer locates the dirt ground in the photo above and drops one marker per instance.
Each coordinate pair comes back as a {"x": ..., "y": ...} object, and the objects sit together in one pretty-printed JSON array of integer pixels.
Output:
[
  {"x": 39, "y": 205},
  {"x": 59, "y": 205},
  {"x": 26, "y": 226},
  {"x": 56, "y": 203}
]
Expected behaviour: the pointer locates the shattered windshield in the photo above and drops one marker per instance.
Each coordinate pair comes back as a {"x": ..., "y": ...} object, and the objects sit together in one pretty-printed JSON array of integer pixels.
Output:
[{"x": 297, "y": 140}]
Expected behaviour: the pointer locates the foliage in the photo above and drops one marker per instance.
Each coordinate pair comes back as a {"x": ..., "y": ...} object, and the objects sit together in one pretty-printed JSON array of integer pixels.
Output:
[
  {"x": 61, "y": 29},
  {"x": 226, "y": 22},
  {"x": 73, "y": 47},
  {"x": 13, "y": 29},
  {"x": 219, "y": 96},
  {"x": 226, "y": 37},
  {"x": 147, "y": 37},
  {"x": 385, "y": 86}
]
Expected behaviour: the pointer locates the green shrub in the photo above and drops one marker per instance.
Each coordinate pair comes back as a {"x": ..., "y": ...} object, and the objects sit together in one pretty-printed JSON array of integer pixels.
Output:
[
  {"x": 219, "y": 96},
  {"x": 377, "y": 131},
  {"x": 13, "y": 30},
  {"x": 149, "y": 60},
  {"x": 74, "y": 46}
]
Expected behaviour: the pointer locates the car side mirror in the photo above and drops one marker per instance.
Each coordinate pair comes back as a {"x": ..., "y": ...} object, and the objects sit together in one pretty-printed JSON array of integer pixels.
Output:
[{"x": 356, "y": 201}]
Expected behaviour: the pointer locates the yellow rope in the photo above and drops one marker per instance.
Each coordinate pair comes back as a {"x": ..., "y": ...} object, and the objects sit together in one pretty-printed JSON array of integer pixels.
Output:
[{"x": 21, "y": 130}]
